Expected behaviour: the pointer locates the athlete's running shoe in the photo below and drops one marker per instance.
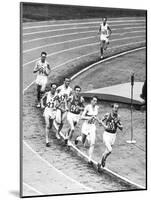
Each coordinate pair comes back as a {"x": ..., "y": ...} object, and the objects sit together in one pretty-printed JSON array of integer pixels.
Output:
[
  {"x": 47, "y": 144},
  {"x": 99, "y": 167},
  {"x": 103, "y": 162},
  {"x": 38, "y": 105},
  {"x": 76, "y": 141},
  {"x": 90, "y": 162},
  {"x": 57, "y": 136},
  {"x": 66, "y": 141}
]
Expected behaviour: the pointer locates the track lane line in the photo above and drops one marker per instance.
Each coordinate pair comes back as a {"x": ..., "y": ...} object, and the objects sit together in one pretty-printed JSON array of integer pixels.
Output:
[
  {"x": 58, "y": 171},
  {"x": 32, "y": 188},
  {"x": 73, "y": 28},
  {"x": 77, "y": 58},
  {"x": 106, "y": 59},
  {"x": 105, "y": 169},
  {"x": 77, "y": 47},
  {"x": 73, "y": 20},
  {"x": 69, "y": 24},
  {"x": 78, "y": 39},
  {"x": 60, "y": 35}
]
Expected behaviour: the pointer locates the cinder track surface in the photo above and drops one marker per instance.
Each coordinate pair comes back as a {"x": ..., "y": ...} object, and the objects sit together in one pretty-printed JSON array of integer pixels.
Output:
[{"x": 70, "y": 45}]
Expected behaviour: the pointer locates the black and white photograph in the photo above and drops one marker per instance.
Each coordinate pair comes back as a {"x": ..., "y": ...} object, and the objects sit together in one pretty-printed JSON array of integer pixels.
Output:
[{"x": 83, "y": 99}]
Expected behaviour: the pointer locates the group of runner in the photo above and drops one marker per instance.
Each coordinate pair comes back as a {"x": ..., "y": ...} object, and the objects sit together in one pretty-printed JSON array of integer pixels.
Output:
[{"x": 64, "y": 103}]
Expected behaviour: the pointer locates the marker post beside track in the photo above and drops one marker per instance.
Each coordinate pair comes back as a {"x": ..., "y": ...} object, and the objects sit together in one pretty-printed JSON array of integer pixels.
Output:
[{"x": 131, "y": 141}]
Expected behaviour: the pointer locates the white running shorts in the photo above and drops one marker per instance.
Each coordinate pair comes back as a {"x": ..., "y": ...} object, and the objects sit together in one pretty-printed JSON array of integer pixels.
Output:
[
  {"x": 109, "y": 139},
  {"x": 42, "y": 80},
  {"x": 71, "y": 117},
  {"x": 90, "y": 131}
]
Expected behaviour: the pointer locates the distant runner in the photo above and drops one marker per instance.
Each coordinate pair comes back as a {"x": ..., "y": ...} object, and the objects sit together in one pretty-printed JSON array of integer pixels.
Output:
[
  {"x": 64, "y": 94},
  {"x": 89, "y": 116},
  {"x": 50, "y": 110},
  {"x": 75, "y": 108},
  {"x": 104, "y": 32},
  {"x": 43, "y": 69},
  {"x": 110, "y": 122}
]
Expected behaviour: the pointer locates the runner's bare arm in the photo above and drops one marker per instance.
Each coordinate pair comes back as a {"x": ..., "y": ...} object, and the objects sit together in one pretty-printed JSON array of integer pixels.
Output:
[
  {"x": 36, "y": 68},
  {"x": 119, "y": 124},
  {"x": 81, "y": 107},
  {"x": 99, "y": 31},
  {"x": 58, "y": 90},
  {"x": 84, "y": 115},
  {"x": 103, "y": 120},
  {"x": 110, "y": 31},
  {"x": 57, "y": 103},
  {"x": 48, "y": 70}
]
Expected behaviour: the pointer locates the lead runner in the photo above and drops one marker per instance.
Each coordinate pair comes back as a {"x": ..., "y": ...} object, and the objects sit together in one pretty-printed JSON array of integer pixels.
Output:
[
  {"x": 105, "y": 33},
  {"x": 111, "y": 121}
]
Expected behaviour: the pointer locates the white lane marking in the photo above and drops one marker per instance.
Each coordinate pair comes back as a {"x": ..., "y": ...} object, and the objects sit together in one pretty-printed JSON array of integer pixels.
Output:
[
  {"x": 61, "y": 35},
  {"x": 112, "y": 57},
  {"x": 84, "y": 155},
  {"x": 32, "y": 188},
  {"x": 72, "y": 28},
  {"x": 58, "y": 171},
  {"x": 55, "y": 36},
  {"x": 80, "y": 46},
  {"x": 76, "y": 20},
  {"x": 85, "y": 55},
  {"x": 66, "y": 34},
  {"x": 78, "y": 39},
  {"x": 26, "y": 88},
  {"x": 79, "y": 23}
]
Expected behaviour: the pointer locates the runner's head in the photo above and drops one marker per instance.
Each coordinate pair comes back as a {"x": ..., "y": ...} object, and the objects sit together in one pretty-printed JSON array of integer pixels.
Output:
[
  {"x": 53, "y": 88},
  {"x": 67, "y": 82},
  {"x": 104, "y": 19},
  {"x": 94, "y": 100},
  {"x": 43, "y": 56},
  {"x": 77, "y": 89},
  {"x": 115, "y": 108}
]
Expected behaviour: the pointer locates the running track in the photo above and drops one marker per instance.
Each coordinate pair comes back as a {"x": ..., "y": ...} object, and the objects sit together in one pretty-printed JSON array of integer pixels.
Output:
[{"x": 68, "y": 42}]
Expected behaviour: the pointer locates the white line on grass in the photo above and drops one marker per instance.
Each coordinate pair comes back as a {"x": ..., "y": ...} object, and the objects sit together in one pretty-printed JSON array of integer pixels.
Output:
[
  {"x": 62, "y": 35},
  {"x": 106, "y": 59},
  {"x": 85, "y": 55},
  {"x": 32, "y": 188},
  {"x": 74, "y": 28},
  {"x": 77, "y": 47},
  {"x": 79, "y": 23},
  {"x": 68, "y": 41},
  {"x": 54, "y": 168}
]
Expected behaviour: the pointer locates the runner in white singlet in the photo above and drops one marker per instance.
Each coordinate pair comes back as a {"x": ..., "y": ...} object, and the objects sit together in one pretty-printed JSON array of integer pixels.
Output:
[
  {"x": 88, "y": 130},
  {"x": 50, "y": 109},
  {"x": 43, "y": 69},
  {"x": 64, "y": 94},
  {"x": 104, "y": 33}
]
